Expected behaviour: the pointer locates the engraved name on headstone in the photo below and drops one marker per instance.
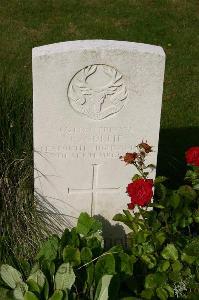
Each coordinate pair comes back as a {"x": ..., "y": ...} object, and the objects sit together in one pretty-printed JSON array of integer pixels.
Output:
[{"x": 93, "y": 101}]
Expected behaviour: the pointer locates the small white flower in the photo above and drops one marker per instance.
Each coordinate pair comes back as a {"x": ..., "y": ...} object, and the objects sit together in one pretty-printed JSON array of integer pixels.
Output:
[{"x": 181, "y": 287}]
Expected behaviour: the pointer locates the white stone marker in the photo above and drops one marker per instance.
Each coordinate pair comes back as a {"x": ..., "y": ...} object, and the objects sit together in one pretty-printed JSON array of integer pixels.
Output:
[{"x": 93, "y": 101}]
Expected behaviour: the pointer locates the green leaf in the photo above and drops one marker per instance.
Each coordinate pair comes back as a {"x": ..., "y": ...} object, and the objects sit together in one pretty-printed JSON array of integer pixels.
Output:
[
  {"x": 160, "y": 179},
  {"x": 196, "y": 216},
  {"x": 187, "y": 258},
  {"x": 74, "y": 240},
  {"x": 120, "y": 218},
  {"x": 170, "y": 252},
  {"x": 156, "y": 205},
  {"x": 87, "y": 225},
  {"x": 57, "y": 295},
  {"x": 65, "y": 238},
  {"x": 128, "y": 215},
  {"x": 147, "y": 294},
  {"x": 160, "y": 237},
  {"x": 163, "y": 266},
  {"x": 105, "y": 265},
  {"x": 175, "y": 276},
  {"x": 97, "y": 236},
  {"x": 102, "y": 288},
  {"x": 169, "y": 289},
  {"x": 6, "y": 294},
  {"x": 174, "y": 199},
  {"x": 46, "y": 290},
  {"x": 137, "y": 251},
  {"x": 141, "y": 236},
  {"x": 187, "y": 192},
  {"x": 116, "y": 249},
  {"x": 35, "y": 268},
  {"x": 196, "y": 186},
  {"x": 30, "y": 296},
  {"x": 183, "y": 223},
  {"x": 136, "y": 177},
  {"x": 155, "y": 280},
  {"x": 192, "y": 247},
  {"x": 71, "y": 255},
  {"x": 186, "y": 211},
  {"x": 64, "y": 277},
  {"x": 69, "y": 238},
  {"x": 190, "y": 175},
  {"x": 48, "y": 267},
  {"x": 187, "y": 272},
  {"x": 114, "y": 287},
  {"x": 20, "y": 290},
  {"x": 90, "y": 274},
  {"x": 161, "y": 293},
  {"x": 177, "y": 266},
  {"x": 86, "y": 255},
  {"x": 149, "y": 260},
  {"x": 126, "y": 264},
  {"x": 39, "y": 278},
  {"x": 161, "y": 192},
  {"x": 148, "y": 247},
  {"x": 33, "y": 286},
  {"x": 95, "y": 245},
  {"x": 10, "y": 276},
  {"x": 49, "y": 249}
]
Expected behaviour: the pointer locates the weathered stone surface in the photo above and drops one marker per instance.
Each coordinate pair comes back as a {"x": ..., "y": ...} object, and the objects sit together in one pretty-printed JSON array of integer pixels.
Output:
[{"x": 93, "y": 101}]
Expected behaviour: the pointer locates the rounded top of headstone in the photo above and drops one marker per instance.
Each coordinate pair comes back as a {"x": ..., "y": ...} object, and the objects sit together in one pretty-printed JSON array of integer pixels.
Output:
[{"x": 80, "y": 45}]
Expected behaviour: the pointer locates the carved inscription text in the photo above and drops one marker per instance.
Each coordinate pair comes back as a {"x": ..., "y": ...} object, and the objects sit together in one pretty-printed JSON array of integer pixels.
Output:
[{"x": 89, "y": 143}]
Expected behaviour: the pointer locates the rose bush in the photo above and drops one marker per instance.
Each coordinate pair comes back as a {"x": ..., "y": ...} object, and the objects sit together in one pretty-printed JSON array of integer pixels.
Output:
[{"x": 163, "y": 240}]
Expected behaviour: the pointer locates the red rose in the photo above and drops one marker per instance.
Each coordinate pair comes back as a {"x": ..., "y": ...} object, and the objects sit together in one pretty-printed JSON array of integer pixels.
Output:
[
  {"x": 192, "y": 156},
  {"x": 140, "y": 191}
]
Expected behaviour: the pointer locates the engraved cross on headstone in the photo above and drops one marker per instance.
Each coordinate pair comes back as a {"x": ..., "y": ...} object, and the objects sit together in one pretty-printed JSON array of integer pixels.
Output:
[{"x": 94, "y": 189}]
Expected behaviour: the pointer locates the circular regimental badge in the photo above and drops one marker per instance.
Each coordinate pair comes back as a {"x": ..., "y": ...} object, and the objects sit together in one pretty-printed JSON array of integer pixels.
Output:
[{"x": 97, "y": 91}]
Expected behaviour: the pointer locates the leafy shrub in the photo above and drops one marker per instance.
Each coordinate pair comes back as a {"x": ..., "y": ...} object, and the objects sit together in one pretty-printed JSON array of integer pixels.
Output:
[
  {"x": 74, "y": 266},
  {"x": 161, "y": 261}
]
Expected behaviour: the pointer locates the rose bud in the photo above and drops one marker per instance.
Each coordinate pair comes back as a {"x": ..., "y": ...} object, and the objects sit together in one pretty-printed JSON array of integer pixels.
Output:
[
  {"x": 144, "y": 146},
  {"x": 129, "y": 158}
]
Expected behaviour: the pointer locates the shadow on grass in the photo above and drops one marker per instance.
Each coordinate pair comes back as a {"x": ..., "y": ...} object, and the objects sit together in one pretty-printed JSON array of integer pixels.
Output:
[{"x": 173, "y": 144}]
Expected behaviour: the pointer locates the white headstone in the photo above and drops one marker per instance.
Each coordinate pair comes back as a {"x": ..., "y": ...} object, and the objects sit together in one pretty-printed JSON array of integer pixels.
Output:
[{"x": 93, "y": 101}]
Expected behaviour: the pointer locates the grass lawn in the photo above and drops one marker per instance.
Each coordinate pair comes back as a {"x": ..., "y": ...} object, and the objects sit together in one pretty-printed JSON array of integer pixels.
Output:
[{"x": 173, "y": 24}]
